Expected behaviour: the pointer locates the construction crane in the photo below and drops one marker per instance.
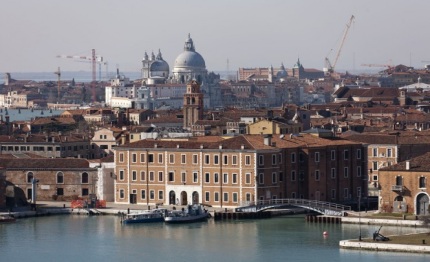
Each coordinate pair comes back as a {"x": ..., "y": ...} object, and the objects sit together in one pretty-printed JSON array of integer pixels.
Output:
[
  {"x": 58, "y": 73},
  {"x": 93, "y": 59},
  {"x": 329, "y": 67}
]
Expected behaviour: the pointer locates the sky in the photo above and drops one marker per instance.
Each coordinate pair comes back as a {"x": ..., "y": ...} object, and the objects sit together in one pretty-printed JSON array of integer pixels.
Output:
[{"x": 246, "y": 33}]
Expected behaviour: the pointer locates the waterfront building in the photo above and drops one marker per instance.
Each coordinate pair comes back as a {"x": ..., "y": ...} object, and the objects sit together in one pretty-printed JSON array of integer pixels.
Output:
[
  {"x": 105, "y": 177},
  {"x": 58, "y": 178},
  {"x": 404, "y": 186},
  {"x": 235, "y": 170}
]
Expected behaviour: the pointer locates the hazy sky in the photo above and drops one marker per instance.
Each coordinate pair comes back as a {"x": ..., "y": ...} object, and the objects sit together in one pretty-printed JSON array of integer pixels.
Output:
[{"x": 248, "y": 33}]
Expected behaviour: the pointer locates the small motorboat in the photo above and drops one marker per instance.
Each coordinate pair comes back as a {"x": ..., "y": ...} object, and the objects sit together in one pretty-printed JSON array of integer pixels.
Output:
[
  {"x": 194, "y": 213},
  {"x": 147, "y": 216},
  {"x": 7, "y": 219}
]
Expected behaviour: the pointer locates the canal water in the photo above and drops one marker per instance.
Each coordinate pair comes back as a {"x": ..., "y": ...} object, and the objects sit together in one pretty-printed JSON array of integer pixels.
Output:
[{"x": 103, "y": 238}]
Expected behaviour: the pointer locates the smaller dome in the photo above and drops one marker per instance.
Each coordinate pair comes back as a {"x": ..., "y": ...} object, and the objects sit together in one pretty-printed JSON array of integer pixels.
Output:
[{"x": 159, "y": 65}]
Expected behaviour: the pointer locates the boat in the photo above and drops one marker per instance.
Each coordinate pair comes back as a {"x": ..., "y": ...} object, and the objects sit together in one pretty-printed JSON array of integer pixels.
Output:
[
  {"x": 147, "y": 216},
  {"x": 7, "y": 219},
  {"x": 194, "y": 213}
]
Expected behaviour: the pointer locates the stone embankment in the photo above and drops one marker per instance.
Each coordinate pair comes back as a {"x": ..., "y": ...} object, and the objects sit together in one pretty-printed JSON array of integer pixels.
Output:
[{"x": 381, "y": 246}]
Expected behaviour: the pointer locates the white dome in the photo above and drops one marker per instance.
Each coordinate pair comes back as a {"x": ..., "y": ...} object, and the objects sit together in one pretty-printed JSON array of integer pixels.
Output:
[{"x": 190, "y": 59}]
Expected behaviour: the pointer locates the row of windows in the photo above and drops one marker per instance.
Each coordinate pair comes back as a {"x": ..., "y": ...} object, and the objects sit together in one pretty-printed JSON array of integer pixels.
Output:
[
  {"x": 42, "y": 148},
  {"x": 60, "y": 177},
  {"x": 216, "y": 197},
  {"x": 421, "y": 181},
  {"x": 388, "y": 152},
  {"x": 183, "y": 160},
  {"x": 84, "y": 191}
]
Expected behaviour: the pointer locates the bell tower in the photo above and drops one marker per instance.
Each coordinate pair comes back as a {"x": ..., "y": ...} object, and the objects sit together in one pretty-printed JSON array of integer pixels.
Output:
[{"x": 193, "y": 104}]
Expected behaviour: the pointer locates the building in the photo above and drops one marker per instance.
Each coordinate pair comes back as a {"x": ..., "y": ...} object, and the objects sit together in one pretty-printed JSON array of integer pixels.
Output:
[
  {"x": 193, "y": 104},
  {"x": 404, "y": 187},
  {"x": 229, "y": 172}
]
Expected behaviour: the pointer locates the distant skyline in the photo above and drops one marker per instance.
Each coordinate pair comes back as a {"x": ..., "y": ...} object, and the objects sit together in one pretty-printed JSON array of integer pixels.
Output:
[{"x": 246, "y": 33}]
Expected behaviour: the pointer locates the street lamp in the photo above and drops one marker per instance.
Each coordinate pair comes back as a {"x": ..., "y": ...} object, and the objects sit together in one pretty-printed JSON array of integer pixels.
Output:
[{"x": 359, "y": 217}]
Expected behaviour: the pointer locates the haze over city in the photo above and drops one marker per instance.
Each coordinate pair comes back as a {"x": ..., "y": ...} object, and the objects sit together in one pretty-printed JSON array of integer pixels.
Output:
[{"x": 246, "y": 33}]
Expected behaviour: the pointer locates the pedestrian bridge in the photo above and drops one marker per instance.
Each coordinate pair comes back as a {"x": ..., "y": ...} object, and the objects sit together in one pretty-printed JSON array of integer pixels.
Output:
[{"x": 325, "y": 208}]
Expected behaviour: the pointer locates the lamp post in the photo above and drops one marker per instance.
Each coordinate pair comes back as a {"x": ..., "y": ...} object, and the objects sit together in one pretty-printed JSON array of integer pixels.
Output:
[{"x": 359, "y": 217}]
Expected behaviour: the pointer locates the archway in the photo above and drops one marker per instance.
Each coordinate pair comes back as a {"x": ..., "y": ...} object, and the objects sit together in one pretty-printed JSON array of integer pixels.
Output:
[
  {"x": 195, "y": 198},
  {"x": 172, "y": 198},
  {"x": 422, "y": 204},
  {"x": 184, "y": 198}
]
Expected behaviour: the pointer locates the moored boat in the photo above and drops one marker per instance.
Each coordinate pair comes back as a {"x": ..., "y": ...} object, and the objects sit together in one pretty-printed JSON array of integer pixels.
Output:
[
  {"x": 194, "y": 213},
  {"x": 7, "y": 219},
  {"x": 147, "y": 216}
]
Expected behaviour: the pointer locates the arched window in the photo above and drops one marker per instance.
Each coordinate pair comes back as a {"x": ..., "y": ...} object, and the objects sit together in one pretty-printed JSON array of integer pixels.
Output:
[
  {"x": 84, "y": 178},
  {"x": 60, "y": 178},
  {"x": 30, "y": 177}
]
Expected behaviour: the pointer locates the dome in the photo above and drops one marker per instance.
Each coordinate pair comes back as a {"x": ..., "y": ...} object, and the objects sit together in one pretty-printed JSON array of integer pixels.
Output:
[
  {"x": 190, "y": 59},
  {"x": 159, "y": 65}
]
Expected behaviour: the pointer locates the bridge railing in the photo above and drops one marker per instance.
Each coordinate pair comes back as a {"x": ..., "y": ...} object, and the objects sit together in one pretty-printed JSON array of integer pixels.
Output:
[{"x": 295, "y": 201}]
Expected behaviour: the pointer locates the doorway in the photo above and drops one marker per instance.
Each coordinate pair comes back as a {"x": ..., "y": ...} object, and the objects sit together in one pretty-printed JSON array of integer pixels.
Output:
[
  {"x": 30, "y": 194},
  {"x": 184, "y": 198},
  {"x": 172, "y": 198},
  {"x": 195, "y": 197},
  {"x": 422, "y": 204},
  {"x": 133, "y": 198}
]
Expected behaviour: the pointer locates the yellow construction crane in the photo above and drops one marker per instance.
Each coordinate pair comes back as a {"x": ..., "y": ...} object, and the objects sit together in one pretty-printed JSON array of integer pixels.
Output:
[{"x": 329, "y": 67}]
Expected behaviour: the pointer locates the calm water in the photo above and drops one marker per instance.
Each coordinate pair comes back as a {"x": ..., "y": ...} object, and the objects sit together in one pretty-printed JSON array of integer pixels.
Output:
[{"x": 103, "y": 238}]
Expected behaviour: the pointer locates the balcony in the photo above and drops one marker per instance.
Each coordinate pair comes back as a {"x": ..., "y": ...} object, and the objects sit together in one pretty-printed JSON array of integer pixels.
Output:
[{"x": 397, "y": 188}]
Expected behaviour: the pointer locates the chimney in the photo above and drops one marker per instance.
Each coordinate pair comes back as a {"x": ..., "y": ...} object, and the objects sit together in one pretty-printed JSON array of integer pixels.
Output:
[
  {"x": 268, "y": 140},
  {"x": 408, "y": 164}
]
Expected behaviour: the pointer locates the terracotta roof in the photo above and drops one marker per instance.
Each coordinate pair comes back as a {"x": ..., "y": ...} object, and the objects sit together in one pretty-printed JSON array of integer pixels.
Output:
[
  {"x": 420, "y": 163},
  {"x": 45, "y": 163}
]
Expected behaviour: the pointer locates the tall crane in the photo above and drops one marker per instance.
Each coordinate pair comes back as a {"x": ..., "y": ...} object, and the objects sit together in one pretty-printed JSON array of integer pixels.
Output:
[
  {"x": 331, "y": 66},
  {"x": 58, "y": 73},
  {"x": 93, "y": 59}
]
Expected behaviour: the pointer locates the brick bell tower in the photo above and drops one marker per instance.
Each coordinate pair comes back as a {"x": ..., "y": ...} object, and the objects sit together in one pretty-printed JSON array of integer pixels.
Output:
[{"x": 193, "y": 104}]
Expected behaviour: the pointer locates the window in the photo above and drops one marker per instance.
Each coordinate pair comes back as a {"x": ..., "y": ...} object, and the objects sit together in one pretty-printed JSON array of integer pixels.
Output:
[
  {"x": 273, "y": 159},
  {"x": 160, "y": 195},
  {"x": 207, "y": 177},
  {"x": 293, "y": 175},
  {"x": 121, "y": 157},
  {"x": 142, "y": 175},
  {"x": 280, "y": 158},
  {"x": 399, "y": 181},
  {"x": 261, "y": 178},
  {"x": 317, "y": 156},
  {"x": 171, "y": 176},
  {"x": 151, "y": 175},
  {"x": 225, "y": 178},
  {"x": 121, "y": 193},
  {"x": 358, "y": 153},
  {"x": 234, "y": 195},
  {"x": 422, "y": 182},
  {"x": 281, "y": 176},
  {"x": 317, "y": 175},
  {"x": 207, "y": 196},
  {"x": 225, "y": 197},
  {"x": 333, "y": 155},
  {"x": 183, "y": 159},
  {"x": 375, "y": 151},
  {"x": 171, "y": 158},
  {"x": 216, "y": 197},
  {"x": 225, "y": 161},
  {"x": 195, "y": 159},
  {"x": 293, "y": 157},
  {"x": 84, "y": 178},
  {"x": 195, "y": 177},
  {"x": 142, "y": 158},
  {"x": 216, "y": 178},
  {"x": 248, "y": 197},
  {"x": 160, "y": 176},
  {"x": 234, "y": 160},
  {"x": 375, "y": 178},
  {"x": 389, "y": 152},
  {"x": 345, "y": 172},
  {"x": 333, "y": 173},
  {"x": 274, "y": 178},
  {"x": 333, "y": 194},
  {"x": 345, "y": 154},
  {"x": 247, "y": 178},
  {"x": 143, "y": 194},
  {"x": 160, "y": 158},
  {"x": 234, "y": 179},
  {"x": 134, "y": 175},
  {"x": 183, "y": 177},
  {"x": 151, "y": 158},
  {"x": 345, "y": 193},
  {"x": 60, "y": 178},
  {"x": 207, "y": 159},
  {"x": 261, "y": 160},
  {"x": 375, "y": 165},
  {"x": 151, "y": 194},
  {"x": 216, "y": 159},
  {"x": 121, "y": 175},
  {"x": 301, "y": 158},
  {"x": 359, "y": 171},
  {"x": 247, "y": 160},
  {"x": 134, "y": 158},
  {"x": 85, "y": 192}
]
